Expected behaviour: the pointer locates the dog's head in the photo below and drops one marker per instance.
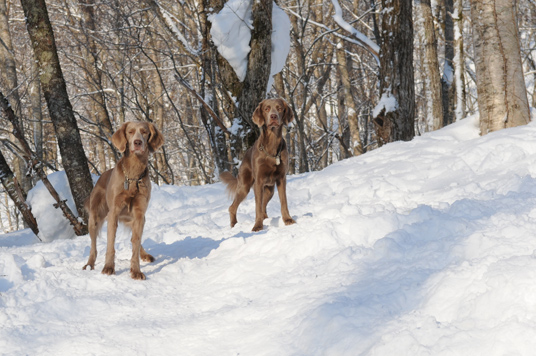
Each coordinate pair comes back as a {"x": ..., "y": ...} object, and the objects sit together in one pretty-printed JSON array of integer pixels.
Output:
[
  {"x": 139, "y": 137},
  {"x": 273, "y": 113}
]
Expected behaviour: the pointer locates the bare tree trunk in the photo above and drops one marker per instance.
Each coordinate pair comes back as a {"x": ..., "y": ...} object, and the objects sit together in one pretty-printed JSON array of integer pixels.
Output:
[
  {"x": 395, "y": 114},
  {"x": 208, "y": 82},
  {"x": 9, "y": 220},
  {"x": 158, "y": 119},
  {"x": 2, "y": 227},
  {"x": 54, "y": 88},
  {"x": 93, "y": 75},
  {"x": 502, "y": 95},
  {"x": 356, "y": 146},
  {"x": 8, "y": 74},
  {"x": 432, "y": 76},
  {"x": 447, "y": 81},
  {"x": 344, "y": 131},
  {"x": 15, "y": 193},
  {"x": 8, "y": 80},
  {"x": 36, "y": 112},
  {"x": 258, "y": 71}
]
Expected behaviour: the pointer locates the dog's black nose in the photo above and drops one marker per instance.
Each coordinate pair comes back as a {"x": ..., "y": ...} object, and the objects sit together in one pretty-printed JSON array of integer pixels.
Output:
[{"x": 137, "y": 142}]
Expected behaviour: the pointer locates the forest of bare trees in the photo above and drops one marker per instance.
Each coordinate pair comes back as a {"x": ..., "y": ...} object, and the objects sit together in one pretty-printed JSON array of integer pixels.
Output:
[{"x": 359, "y": 74}]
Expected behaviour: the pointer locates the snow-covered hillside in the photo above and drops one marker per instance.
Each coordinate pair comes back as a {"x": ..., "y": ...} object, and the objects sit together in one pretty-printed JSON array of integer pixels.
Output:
[{"x": 418, "y": 248}]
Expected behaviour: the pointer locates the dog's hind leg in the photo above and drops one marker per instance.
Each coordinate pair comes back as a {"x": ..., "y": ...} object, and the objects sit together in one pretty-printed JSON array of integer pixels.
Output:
[
  {"x": 145, "y": 256},
  {"x": 241, "y": 194},
  {"x": 268, "y": 194}
]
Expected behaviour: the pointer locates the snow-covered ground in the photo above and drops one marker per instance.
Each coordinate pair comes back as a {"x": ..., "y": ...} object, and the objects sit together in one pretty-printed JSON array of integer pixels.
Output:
[{"x": 418, "y": 248}]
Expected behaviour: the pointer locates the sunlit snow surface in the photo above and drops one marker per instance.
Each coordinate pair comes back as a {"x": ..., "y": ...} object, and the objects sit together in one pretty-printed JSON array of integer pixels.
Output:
[{"x": 417, "y": 248}]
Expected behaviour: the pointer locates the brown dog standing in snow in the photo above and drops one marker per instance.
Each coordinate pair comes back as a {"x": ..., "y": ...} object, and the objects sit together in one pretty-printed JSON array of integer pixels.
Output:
[
  {"x": 265, "y": 164},
  {"x": 123, "y": 193}
]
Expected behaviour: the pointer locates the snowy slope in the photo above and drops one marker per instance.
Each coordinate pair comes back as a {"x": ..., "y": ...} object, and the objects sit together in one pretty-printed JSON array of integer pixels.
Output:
[{"x": 418, "y": 248}]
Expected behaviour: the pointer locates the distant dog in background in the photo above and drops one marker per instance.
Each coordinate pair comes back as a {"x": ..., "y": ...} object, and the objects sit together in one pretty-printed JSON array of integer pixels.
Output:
[
  {"x": 123, "y": 193},
  {"x": 265, "y": 164}
]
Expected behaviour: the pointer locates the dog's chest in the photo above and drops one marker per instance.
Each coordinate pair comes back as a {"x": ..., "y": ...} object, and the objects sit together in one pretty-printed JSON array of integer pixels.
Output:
[
  {"x": 136, "y": 190},
  {"x": 273, "y": 174},
  {"x": 134, "y": 198}
]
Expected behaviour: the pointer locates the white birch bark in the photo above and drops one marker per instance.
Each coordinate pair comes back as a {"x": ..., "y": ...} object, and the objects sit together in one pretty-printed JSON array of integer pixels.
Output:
[{"x": 502, "y": 95}]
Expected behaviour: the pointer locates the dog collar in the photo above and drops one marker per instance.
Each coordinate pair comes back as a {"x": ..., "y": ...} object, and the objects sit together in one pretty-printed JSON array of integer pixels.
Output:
[
  {"x": 277, "y": 157},
  {"x": 138, "y": 180}
]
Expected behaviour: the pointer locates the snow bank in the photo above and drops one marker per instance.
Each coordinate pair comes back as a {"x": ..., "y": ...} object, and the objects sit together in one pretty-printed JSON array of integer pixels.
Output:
[
  {"x": 52, "y": 224},
  {"x": 417, "y": 248},
  {"x": 50, "y": 220}
]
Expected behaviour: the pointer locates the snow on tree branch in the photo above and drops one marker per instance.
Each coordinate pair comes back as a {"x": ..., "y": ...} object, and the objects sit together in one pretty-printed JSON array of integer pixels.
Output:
[
  {"x": 363, "y": 40},
  {"x": 280, "y": 42},
  {"x": 375, "y": 53},
  {"x": 231, "y": 33}
]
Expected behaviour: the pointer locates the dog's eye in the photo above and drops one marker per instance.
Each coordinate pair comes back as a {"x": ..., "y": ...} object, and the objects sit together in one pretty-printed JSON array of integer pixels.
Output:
[
  {"x": 267, "y": 108},
  {"x": 279, "y": 108}
]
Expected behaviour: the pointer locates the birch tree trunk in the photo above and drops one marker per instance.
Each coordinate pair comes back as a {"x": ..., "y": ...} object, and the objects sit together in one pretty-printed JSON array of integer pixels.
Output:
[
  {"x": 459, "y": 61},
  {"x": 502, "y": 95},
  {"x": 61, "y": 113},
  {"x": 394, "y": 116}
]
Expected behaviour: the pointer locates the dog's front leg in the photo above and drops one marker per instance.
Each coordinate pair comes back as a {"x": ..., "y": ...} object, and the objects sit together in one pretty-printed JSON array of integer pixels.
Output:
[
  {"x": 137, "y": 230},
  {"x": 258, "y": 189},
  {"x": 93, "y": 233},
  {"x": 109, "y": 263}
]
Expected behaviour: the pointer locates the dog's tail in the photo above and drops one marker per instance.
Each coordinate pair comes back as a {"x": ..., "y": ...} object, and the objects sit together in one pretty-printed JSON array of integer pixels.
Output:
[{"x": 231, "y": 181}]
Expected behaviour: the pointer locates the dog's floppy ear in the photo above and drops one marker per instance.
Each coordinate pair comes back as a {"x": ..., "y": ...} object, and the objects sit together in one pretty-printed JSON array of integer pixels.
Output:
[
  {"x": 258, "y": 116},
  {"x": 119, "y": 138},
  {"x": 156, "y": 139},
  {"x": 288, "y": 114}
]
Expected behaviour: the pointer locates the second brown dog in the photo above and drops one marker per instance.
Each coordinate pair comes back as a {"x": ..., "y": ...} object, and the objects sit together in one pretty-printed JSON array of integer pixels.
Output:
[
  {"x": 123, "y": 193},
  {"x": 265, "y": 164}
]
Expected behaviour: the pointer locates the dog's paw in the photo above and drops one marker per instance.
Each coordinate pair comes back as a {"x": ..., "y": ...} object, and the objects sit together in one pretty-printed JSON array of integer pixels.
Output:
[
  {"x": 147, "y": 258},
  {"x": 289, "y": 221},
  {"x": 91, "y": 266},
  {"x": 257, "y": 227},
  {"x": 108, "y": 270},
  {"x": 138, "y": 275}
]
